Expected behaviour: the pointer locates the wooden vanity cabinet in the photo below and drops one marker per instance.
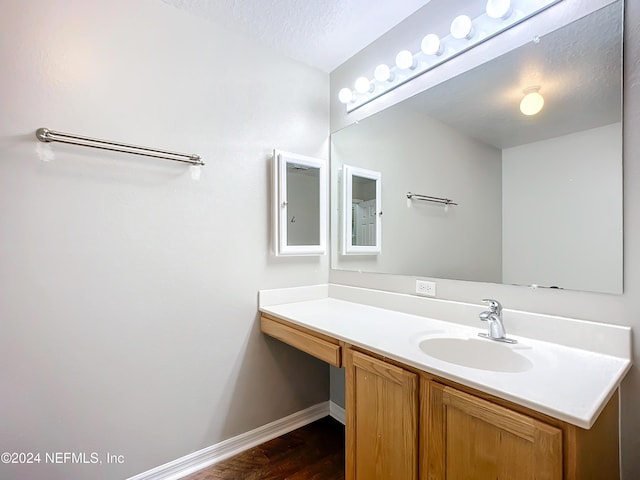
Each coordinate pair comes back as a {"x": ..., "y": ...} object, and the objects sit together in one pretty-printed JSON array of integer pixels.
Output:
[
  {"x": 382, "y": 419},
  {"x": 468, "y": 437},
  {"x": 466, "y": 434},
  {"x": 405, "y": 424}
]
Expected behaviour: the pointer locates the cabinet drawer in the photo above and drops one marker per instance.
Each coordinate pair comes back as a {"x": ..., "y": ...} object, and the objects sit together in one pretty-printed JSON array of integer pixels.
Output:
[{"x": 321, "y": 348}]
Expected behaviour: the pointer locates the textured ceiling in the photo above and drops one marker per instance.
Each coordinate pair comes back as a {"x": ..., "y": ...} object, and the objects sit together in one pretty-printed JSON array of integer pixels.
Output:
[{"x": 321, "y": 33}]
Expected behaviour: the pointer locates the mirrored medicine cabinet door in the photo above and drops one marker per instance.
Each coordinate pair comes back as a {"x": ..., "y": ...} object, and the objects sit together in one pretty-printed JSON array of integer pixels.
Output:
[
  {"x": 299, "y": 204},
  {"x": 362, "y": 211}
]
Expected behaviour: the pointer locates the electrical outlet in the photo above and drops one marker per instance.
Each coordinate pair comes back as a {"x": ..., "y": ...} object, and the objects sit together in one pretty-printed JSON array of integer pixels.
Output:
[{"x": 428, "y": 289}]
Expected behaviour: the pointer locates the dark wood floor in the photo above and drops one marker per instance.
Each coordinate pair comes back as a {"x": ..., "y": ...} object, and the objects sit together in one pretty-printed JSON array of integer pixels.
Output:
[{"x": 313, "y": 452}]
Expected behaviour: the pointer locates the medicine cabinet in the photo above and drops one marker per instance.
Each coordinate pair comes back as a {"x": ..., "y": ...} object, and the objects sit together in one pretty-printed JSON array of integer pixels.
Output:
[
  {"x": 299, "y": 204},
  {"x": 362, "y": 211}
]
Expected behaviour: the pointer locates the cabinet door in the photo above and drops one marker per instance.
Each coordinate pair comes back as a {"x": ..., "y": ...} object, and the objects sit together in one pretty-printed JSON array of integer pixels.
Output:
[
  {"x": 382, "y": 412},
  {"x": 471, "y": 438}
]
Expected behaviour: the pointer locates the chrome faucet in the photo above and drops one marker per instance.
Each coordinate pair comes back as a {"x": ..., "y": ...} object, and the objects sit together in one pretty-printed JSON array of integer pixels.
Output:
[{"x": 494, "y": 317}]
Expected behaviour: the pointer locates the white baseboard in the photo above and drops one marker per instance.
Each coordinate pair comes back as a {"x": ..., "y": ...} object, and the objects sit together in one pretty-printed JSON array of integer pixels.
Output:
[
  {"x": 337, "y": 412},
  {"x": 195, "y": 461}
]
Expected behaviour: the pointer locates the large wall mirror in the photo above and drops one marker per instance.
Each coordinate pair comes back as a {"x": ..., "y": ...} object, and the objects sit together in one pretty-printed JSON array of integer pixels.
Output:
[{"x": 538, "y": 197}]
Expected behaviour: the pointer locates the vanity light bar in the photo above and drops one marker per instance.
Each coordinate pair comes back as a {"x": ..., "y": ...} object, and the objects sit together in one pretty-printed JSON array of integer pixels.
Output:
[{"x": 465, "y": 33}]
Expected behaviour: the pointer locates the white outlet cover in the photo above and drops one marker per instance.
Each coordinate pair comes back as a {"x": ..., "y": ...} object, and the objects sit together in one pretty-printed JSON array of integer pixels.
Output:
[{"x": 426, "y": 288}]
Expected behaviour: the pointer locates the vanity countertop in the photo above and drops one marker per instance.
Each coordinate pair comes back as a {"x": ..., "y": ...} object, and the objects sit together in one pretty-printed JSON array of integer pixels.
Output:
[{"x": 565, "y": 382}]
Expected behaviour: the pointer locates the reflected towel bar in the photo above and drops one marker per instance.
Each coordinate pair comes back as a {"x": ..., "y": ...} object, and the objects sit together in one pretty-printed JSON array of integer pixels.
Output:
[
  {"x": 46, "y": 135},
  {"x": 429, "y": 198}
]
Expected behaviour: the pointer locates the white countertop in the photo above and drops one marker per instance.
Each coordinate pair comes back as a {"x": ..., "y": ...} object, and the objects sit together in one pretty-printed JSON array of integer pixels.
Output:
[{"x": 564, "y": 382}]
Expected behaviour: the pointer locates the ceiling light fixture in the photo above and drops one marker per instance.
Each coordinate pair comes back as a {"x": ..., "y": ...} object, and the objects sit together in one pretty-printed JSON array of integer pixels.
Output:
[
  {"x": 499, "y": 16},
  {"x": 532, "y": 102}
]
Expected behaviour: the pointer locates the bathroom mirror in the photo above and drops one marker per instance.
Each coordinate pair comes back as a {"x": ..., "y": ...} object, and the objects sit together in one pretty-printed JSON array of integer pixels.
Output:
[
  {"x": 299, "y": 204},
  {"x": 361, "y": 211},
  {"x": 539, "y": 198}
]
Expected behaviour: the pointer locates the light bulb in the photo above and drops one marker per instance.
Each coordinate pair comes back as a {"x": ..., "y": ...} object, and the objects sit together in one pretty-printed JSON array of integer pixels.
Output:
[
  {"x": 405, "y": 61},
  {"x": 383, "y": 73},
  {"x": 363, "y": 85},
  {"x": 345, "y": 95},
  {"x": 461, "y": 27},
  {"x": 532, "y": 102},
  {"x": 498, "y": 8},
  {"x": 431, "y": 45}
]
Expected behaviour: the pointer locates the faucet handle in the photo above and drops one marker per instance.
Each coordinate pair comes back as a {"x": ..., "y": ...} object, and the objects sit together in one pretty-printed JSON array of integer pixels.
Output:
[{"x": 494, "y": 305}]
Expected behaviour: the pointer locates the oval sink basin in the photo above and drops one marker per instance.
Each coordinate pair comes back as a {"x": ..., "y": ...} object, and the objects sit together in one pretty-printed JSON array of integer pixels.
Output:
[{"x": 476, "y": 353}]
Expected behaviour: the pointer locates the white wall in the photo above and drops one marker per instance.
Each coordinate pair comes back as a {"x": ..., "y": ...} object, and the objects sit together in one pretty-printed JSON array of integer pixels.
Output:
[
  {"x": 443, "y": 163},
  {"x": 544, "y": 184},
  {"x": 128, "y": 291},
  {"x": 616, "y": 309}
]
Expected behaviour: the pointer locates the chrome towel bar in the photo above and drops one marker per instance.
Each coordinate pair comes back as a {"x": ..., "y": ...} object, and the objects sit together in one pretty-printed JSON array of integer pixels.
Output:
[
  {"x": 429, "y": 198},
  {"x": 46, "y": 135}
]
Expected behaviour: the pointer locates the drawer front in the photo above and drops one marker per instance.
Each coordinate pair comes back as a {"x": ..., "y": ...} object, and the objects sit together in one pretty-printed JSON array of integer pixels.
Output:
[{"x": 318, "y": 347}]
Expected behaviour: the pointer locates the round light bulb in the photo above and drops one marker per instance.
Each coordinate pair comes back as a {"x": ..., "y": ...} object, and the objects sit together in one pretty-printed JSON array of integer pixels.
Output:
[
  {"x": 383, "y": 73},
  {"x": 498, "y": 8},
  {"x": 431, "y": 45},
  {"x": 345, "y": 95},
  {"x": 461, "y": 27},
  {"x": 363, "y": 85},
  {"x": 404, "y": 60},
  {"x": 532, "y": 102}
]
